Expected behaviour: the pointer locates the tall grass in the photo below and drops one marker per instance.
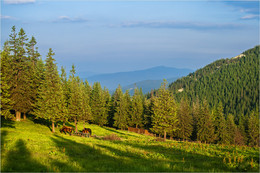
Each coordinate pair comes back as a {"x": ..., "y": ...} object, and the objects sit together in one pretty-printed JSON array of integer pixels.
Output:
[{"x": 28, "y": 146}]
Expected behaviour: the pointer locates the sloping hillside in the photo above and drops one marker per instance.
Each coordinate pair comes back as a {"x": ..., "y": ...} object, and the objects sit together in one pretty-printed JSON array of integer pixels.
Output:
[
  {"x": 29, "y": 146},
  {"x": 234, "y": 82}
]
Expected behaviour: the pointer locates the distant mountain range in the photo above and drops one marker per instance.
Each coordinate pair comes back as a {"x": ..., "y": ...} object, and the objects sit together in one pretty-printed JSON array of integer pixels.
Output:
[
  {"x": 146, "y": 79},
  {"x": 146, "y": 85}
]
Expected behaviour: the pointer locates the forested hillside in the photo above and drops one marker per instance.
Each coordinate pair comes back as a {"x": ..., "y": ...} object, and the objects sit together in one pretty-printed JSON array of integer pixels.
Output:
[
  {"x": 234, "y": 82},
  {"x": 33, "y": 87}
]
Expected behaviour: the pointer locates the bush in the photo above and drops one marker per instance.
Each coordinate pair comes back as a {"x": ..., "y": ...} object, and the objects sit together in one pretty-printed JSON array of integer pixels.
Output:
[{"x": 112, "y": 137}]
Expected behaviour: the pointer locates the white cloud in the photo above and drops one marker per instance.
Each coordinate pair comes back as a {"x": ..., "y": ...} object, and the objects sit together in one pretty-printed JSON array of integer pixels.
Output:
[
  {"x": 67, "y": 19},
  {"x": 180, "y": 25},
  {"x": 7, "y": 17},
  {"x": 18, "y": 1},
  {"x": 250, "y": 16}
]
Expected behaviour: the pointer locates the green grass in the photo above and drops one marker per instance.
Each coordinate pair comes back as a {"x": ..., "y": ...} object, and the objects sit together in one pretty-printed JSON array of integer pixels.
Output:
[{"x": 28, "y": 146}]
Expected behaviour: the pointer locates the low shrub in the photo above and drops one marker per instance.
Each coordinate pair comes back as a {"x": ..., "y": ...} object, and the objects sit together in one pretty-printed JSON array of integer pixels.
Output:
[{"x": 112, "y": 137}]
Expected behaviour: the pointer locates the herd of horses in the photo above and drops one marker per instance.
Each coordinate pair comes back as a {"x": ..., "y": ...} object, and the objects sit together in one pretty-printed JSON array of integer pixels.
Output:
[{"x": 69, "y": 130}]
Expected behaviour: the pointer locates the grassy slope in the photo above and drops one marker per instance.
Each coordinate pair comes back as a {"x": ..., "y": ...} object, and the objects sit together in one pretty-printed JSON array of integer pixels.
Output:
[{"x": 28, "y": 146}]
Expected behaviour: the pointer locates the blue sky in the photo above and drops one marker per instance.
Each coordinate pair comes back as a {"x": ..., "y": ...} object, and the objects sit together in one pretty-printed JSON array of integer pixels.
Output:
[{"x": 112, "y": 36}]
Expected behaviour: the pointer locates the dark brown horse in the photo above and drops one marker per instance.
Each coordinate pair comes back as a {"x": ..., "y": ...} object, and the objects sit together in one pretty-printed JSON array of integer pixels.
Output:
[
  {"x": 67, "y": 129},
  {"x": 87, "y": 131}
]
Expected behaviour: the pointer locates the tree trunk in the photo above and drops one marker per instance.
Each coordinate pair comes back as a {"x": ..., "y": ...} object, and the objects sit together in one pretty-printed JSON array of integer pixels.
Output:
[
  {"x": 76, "y": 127},
  {"x": 24, "y": 116},
  {"x": 18, "y": 115},
  {"x": 63, "y": 123},
  {"x": 136, "y": 126},
  {"x": 164, "y": 135},
  {"x": 53, "y": 127},
  {"x": 84, "y": 125}
]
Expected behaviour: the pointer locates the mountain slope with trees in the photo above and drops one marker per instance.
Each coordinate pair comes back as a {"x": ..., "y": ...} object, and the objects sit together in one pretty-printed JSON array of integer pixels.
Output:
[{"x": 234, "y": 82}]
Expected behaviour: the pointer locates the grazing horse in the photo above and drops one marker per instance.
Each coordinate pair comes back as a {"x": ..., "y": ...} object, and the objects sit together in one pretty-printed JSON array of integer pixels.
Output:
[
  {"x": 87, "y": 131},
  {"x": 67, "y": 129}
]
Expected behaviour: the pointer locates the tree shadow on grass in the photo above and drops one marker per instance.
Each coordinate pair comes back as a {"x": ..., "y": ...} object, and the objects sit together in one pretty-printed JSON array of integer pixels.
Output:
[
  {"x": 84, "y": 157},
  {"x": 192, "y": 161},
  {"x": 44, "y": 122},
  {"x": 3, "y": 142},
  {"x": 144, "y": 163},
  {"x": 7, "y": 123},
  {"x": 19, "y": 159},
  {"x": 117, "y": 131}
]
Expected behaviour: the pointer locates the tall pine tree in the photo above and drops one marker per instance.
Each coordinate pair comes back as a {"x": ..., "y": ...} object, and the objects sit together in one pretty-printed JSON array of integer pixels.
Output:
[
  {"x": 205, "y": 131},
  {"x": 86, "y": 109},
  {"x": 49, "y": 101},
  {"x": 98, "y": 105},
  {"x": 137, "y": 108},
  {"x": 184, "y": 120},
  {"x": 220, "y": 124},
  {"x": 120, "y": 109},
  {"x": 6, "y": 104},
  {"x": 253, "y": 129},
  {"x": 164, "y": 117},
  {"x": 20, "y": 87},
  {"x": 75, "y": 98},
  {"x": 231, "y": 128}
]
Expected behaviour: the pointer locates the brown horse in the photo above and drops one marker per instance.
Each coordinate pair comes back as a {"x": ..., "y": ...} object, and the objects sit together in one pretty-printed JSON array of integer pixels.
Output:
[
  {"x": 87, "y": 131},
  {"x": 67, "y": 129}
]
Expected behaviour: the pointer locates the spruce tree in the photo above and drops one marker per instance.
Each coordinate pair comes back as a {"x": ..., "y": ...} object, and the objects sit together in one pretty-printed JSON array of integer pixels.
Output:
[
  {"x": 6, "y": 104},
  {"x": 33, "y": 58},
  {"x": 231, "y": 128},
  {"x": 164, "y": 117},
  {"x": 220, "y": 124},
  {"x": 120, "y": 109},
  {"x": 253, "y": 129},
  {"x": 205, "y": 131},
  {"x": 75, "y": 98},
  {"x": 185, "y": 123},
  {"x": 147, "y": 113},
  {"x": 241, "y": 139},
  {"x": 86, "y": 109},
  {"x": 49, "y": 101},
  {"x": 105, "y": 108},
  {"x": 98, "y": 105},
  {"x": 137, "y": 109},
  {"x": 195, "y": 118},
  {"x": 20, "y": 87},
  {"x": 65, "y": 90}
]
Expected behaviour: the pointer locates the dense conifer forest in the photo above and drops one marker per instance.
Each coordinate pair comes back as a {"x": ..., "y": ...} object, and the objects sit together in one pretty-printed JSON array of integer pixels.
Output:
[
  {"x": 218, "y": 104},
  {"x": 234, "y": 82}
]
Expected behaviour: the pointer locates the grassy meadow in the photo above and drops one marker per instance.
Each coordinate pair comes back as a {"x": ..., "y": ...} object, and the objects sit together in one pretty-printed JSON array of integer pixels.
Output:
[{"x": 30, "y": 146}]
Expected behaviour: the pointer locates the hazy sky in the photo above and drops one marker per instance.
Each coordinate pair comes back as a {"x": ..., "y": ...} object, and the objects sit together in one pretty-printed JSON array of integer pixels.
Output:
[{"x": 111, "y": 36}]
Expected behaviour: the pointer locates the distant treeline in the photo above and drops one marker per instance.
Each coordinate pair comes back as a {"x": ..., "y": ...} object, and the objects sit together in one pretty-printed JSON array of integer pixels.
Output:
[{"x": 30, "y": 86}]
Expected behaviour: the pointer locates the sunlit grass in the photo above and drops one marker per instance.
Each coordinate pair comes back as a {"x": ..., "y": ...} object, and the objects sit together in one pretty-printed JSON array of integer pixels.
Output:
[{"x": 27, "y": 146}]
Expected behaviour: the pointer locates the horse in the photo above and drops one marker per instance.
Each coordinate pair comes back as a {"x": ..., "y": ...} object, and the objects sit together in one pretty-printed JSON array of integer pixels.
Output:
[
  {"x": 67, "y": 129},
  {"x": 87, "y": 130}
]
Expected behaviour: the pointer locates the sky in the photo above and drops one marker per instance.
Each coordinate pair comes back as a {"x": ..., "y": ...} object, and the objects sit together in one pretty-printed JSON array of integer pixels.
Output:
[{"x": 113, "y": 36}]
